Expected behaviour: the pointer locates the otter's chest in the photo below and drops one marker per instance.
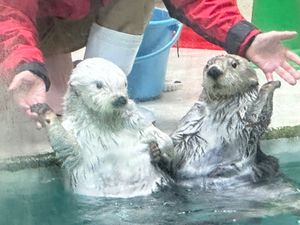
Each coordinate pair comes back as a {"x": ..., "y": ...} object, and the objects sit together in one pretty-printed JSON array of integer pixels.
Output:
[
  {"x": 216, "y": 138},
  {"x": 123, "y": 144},
  {"x": 119, "y": 145},
  {"x": 122, "y": 155},
  {"x": 115, "y": 164},
  {"x": 224, "y": 128}
]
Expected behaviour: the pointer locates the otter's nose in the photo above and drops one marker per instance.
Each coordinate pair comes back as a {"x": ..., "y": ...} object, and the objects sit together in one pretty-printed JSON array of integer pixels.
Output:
[
  {"x": 120, "y": 101},
  {"x": 214, "y": 72}
]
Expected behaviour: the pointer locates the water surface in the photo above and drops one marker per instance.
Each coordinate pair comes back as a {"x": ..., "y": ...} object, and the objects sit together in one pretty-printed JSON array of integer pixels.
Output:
[{"x": 37, "y": 197}]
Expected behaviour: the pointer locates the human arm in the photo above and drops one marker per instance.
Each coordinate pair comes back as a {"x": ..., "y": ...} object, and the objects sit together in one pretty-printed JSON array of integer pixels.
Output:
[
  {"x": 221, "y": 23},
  {"x": 20, "y": 55},
  {"x": 19, "y": 38}
]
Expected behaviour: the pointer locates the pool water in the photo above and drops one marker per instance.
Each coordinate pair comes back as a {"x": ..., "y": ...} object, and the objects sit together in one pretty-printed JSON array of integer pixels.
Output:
[{"x": 37, "y": 197}]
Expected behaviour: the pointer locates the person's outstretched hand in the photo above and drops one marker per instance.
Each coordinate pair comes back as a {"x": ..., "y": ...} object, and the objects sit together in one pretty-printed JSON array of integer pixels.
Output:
[
  {"x": 28, "y": 89},
  {"x": 267, "y": 52}
]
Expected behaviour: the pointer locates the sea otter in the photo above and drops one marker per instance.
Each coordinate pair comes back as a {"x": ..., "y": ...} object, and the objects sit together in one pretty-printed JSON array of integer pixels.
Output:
[
  {"x": 217, "y": 141},
  {"x": 103, "y": 141}
]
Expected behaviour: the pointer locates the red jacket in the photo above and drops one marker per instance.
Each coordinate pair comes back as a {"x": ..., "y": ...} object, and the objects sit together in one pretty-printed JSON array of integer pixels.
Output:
[{"x": 217, "y": 21}]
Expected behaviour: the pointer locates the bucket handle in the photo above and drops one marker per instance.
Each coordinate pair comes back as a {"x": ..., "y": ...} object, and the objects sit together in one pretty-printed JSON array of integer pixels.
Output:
[{"x": 168, "y": 45}]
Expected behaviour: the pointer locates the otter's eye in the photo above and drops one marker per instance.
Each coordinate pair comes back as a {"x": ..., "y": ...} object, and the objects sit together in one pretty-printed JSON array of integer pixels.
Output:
[
  {"x": 125, "y": 85},
  {"x": 234, "y": 64},
  {"x": 99, "y": 85}
]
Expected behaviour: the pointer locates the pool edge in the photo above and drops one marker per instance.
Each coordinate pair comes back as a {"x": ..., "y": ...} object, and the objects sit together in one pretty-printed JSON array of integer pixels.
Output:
[
  {"x": 282, "y": 132},
  {"x": 24, "y": 162}
]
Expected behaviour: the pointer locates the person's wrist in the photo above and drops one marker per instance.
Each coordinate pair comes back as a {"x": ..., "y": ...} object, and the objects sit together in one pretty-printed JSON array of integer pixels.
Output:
[
  {"x": 35, "y": 79},
  {"x": 247, "y": 43},
  {"x": 245, "y": 51}
]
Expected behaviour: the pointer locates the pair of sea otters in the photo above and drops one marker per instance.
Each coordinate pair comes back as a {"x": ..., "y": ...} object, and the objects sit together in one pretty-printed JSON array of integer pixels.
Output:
[{"x": 107, "y": 147}]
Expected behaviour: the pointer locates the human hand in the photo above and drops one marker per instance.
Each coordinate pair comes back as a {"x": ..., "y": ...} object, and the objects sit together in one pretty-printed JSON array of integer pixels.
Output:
[
  {"x": 267, "y": 52},
  {"x": 28, "y": 89}
]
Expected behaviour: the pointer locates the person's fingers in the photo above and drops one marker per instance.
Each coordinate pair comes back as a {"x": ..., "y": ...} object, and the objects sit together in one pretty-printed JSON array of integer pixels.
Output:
[
  {"x": 39, "y": 125},
  {"x": 269, "y": 76},
  {"x": 29, "y": 113},
  {"x": 283, "y": 35},
  {"x": 34, "y": 116},
  {"x": 291, "y": 70},
  {"x": 23, "y": 104},
  {"x": 286, "y": 76},
  {"x": 293, "y": 56}
]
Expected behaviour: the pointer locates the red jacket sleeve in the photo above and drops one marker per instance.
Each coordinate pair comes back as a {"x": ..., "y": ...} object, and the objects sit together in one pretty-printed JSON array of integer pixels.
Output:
[
  {"x": 18, "y": 35},
  {"x": 219, "y": 22}
]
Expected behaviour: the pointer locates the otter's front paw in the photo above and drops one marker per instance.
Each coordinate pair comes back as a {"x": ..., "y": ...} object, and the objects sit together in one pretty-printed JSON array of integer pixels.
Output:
[
  {"x": 45, "y": 114},
  {"x": 155, "y": 152},
  {"x": 271, "y": 86}
]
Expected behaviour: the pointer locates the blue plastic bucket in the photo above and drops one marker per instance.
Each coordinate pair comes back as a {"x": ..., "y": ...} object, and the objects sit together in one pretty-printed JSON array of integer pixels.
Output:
[{"x": 146, "y": 80}]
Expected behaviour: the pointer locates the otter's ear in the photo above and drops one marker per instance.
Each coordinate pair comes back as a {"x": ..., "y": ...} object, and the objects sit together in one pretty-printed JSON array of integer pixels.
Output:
[
  {"x": 73, "y": 83},
  {"x": 73, "y": 88},
  {"x": 76, "y": 62}
]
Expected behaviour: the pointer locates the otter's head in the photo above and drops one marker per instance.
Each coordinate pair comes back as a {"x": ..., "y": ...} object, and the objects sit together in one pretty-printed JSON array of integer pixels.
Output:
[
  {"x": 228, "y": 75},
  {"x": 99, "y": 85}
]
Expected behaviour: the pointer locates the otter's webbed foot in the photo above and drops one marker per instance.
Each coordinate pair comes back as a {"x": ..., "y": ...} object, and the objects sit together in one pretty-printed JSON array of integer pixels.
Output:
[
  {"x": 160, "y": 159},
  {"x": 45, "y": 114},
  {"x": 265, "y": 170},
  {"x": 265, "y": 166},
  {"x": 261, "y": 110},
  {"x": 266, "y": 93}
]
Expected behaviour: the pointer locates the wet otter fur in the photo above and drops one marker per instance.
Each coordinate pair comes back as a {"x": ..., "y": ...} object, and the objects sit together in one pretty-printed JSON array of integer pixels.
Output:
[
  {"x": 217, "y": 141},
  {"x": 103, "y": 141}
]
